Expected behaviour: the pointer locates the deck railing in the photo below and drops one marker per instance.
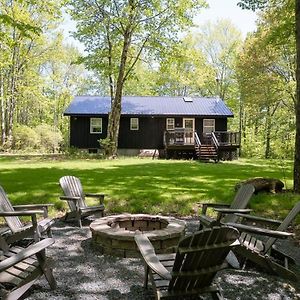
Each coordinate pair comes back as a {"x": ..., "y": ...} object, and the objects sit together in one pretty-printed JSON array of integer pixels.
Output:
[
  {"x": 197, "y": 139},
  {"x": 215, "y": 140},
  {"x": 182, "y": 136},
  {"x": 179, "y": 136},
  {"x": 228, "y": 138}
]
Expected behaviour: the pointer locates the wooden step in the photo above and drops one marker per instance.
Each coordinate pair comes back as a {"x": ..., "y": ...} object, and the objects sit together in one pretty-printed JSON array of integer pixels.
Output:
[{"x": 206, "y": 152}]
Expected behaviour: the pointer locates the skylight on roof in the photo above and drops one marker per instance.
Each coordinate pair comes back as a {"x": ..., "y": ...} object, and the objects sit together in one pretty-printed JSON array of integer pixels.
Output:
[{"x": 187, "y": 99}]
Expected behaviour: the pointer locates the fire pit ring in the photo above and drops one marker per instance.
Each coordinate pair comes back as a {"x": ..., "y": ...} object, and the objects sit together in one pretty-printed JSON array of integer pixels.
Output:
[{"x": 114, "y": 235}]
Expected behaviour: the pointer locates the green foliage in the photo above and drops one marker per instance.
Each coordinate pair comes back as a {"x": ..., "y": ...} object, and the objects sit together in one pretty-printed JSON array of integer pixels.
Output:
[
  {"x": 37, "y": 72},
  {"x": 49, "y": 138},
  {"x": 42, "y": 138},
  {"x": 184, "y": 70},
  {"x": 106, "y": 144},
  {"x": 265, "y": 71},
  {"x": 25, "y": 138},
  {"x": 220, "y": 43},
  {"x": 253, "y": 4},
  {"x": 116, "y": 34}
]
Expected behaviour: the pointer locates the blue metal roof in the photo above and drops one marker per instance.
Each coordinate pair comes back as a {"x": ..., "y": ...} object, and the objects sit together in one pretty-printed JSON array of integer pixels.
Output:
[{"x": 140, "y": 105}]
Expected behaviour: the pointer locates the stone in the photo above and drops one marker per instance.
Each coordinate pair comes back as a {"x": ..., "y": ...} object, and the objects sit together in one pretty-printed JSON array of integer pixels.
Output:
[{"x": 110, "y": 236}]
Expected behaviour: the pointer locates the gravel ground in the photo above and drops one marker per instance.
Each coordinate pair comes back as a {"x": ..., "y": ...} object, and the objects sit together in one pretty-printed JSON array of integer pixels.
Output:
[{"x": 82, "y": 273}]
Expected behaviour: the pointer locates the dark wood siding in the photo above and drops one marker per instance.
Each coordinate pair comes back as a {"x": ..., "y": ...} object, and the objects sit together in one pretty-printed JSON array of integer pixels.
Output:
[
  {"x": 220, "y": 124},
  {"x": 149, "y": 136},
  {"x": 80, "y": 136}
]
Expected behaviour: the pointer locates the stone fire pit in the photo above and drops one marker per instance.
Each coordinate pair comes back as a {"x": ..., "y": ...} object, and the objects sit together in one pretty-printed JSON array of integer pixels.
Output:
[{"x": 114, "y": 235}]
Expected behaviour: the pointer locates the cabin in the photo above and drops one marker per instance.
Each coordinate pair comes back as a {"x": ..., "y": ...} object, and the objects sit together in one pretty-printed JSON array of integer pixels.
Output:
[{"x": 189, "y": 127}]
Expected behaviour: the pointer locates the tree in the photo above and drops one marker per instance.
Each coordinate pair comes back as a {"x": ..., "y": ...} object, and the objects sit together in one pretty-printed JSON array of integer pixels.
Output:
[
  {"x": 220, "y": 43},
  {"x": 258, "y": 4},
  {"x": 184, "y": 70},
  {"x": 116, "y": 33},
  {"x": 17, "y": 44},
  {"x": 263, "y": 72}
]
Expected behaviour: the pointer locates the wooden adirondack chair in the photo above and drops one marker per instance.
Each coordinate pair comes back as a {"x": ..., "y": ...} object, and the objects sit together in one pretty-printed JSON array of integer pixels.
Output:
[
  {"x": 189, "y": 272},
  {"x": 75, "y": 197},
  {"x": 265, "y": 253},
  {"x": 20, "y": 267},
  {"x": 18, "y": 230},
  {"x": 226, "y": 211}
]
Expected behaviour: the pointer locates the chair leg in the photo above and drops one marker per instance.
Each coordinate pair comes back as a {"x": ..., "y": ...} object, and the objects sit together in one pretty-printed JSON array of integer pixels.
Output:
[
  {"x": 200, "y": 226},
  {"x": 147, "y": 270},
  {"x": 49, "y": 233},
  {"x": 50, "y": 278},
  {"x": 244, "y": 264},
  {"x": 78, "y": 218},
  {"x": 217, "y": 295},
  {"x": 47, "y": 271},
  {"x": 37, "y": 235},
  {"x": 79, "y": 222}
]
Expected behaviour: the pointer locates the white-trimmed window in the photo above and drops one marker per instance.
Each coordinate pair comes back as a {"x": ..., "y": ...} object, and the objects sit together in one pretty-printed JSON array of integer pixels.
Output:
[
  {"x": 208, "y": 125},
  {"x": 170, "y": 125},
  {"x": 95, "y": 125},
  {"x": 134, "y": 123}
]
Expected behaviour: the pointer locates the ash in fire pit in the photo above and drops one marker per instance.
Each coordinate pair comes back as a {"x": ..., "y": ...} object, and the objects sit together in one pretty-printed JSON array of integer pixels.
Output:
[{"x": 114, "y": 235}]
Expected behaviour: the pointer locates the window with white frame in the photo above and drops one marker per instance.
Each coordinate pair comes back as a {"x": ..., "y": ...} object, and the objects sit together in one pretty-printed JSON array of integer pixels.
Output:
[
  {"x": 170, "y": 124},
  {"x": 134, "y": 124},
  {"x": 95, "y": 125},
  {"x": 208, "y": 125}
]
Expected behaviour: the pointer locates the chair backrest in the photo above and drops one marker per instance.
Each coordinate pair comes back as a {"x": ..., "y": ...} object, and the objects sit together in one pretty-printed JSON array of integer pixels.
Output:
[
  {"x": 14, "y": 223},
  {"x": 284, "y": 225},
  {"x": 240, "y": 201},
  {"x": 72, "y": 187},
  {"x": 200, "y": 256}
]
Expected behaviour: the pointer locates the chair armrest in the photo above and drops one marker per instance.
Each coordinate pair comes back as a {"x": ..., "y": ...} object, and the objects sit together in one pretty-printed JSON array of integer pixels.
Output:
[
  {"x": 261, "y": 219},
  {"x": 20, "y": 213},
  {"x": 93, "y": 195},
  {"x": 206, "y": 205},
  {"x": 233, "y": 210},
  {"x": 17, "y": 207},
  {"x": 149, "y": 256},
  {"x": 35, "y": 206},
  {"x": 24, "y": 213},
  {"x": 29, "y": 251},
  {"x": 261, "y": 231},
  {"x": 224, "y": 211},
  {"x": 69, "y": 198}
]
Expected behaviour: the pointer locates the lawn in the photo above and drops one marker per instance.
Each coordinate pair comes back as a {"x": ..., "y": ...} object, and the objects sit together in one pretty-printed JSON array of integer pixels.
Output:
[{"x": 145, "y": 185}]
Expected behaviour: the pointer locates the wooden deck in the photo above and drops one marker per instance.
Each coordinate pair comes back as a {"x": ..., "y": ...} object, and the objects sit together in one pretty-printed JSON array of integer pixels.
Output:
[{"x": 182, "y": 142}]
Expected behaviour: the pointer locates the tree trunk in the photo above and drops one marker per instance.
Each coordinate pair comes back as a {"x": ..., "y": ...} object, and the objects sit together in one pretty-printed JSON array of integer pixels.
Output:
[
  {"x": 115, "y": 114},
  {"x": 268, "y": 134},
  {"x": 241, "y": 123},
  {"x": 2, "y": 104},
  {"x": 297, "y": 108},
  {"x": 12, "y": 96}
]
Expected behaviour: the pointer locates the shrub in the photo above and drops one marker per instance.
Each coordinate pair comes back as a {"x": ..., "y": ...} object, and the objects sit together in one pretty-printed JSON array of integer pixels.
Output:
[
  {"x": 50, "y": 138},
  {"x": 24, "y": 138}
]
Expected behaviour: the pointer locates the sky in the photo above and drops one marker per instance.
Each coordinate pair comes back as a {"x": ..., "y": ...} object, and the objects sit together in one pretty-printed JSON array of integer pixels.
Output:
[{"x": 244, "y": 20}]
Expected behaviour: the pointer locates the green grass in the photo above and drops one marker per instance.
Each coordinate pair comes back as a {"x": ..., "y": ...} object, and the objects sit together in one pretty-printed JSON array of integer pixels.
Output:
[{"x": 145, "y": 185}]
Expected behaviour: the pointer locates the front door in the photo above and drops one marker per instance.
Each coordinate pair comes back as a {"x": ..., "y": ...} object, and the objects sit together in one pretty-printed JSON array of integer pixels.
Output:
[{"x": 189, "y": 126}]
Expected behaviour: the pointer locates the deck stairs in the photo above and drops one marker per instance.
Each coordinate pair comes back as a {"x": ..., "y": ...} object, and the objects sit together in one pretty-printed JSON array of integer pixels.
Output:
[{"x": 206, "y": 152}]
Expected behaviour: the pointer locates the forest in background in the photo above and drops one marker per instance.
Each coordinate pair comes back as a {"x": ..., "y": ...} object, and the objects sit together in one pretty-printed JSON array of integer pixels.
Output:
[{"x": 40, "y": 73}]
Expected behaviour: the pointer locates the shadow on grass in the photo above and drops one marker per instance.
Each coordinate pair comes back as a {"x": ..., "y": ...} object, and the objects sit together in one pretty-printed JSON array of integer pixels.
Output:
[{"x": 150, "y": 186}]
